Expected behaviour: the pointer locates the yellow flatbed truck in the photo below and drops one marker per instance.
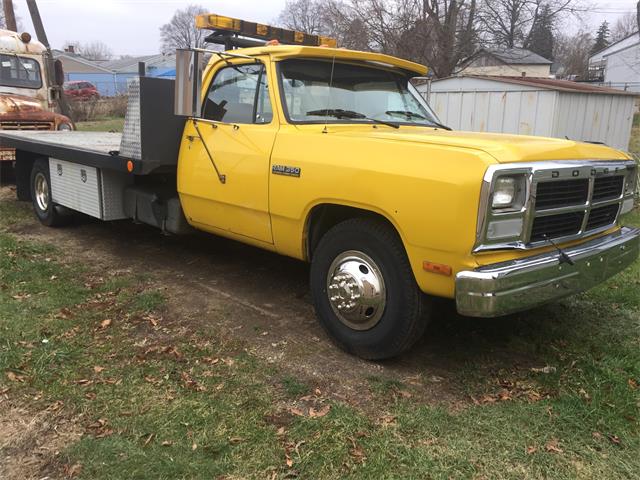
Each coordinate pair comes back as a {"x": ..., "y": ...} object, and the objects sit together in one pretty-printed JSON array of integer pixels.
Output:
[{"x": 330, "y": 156}]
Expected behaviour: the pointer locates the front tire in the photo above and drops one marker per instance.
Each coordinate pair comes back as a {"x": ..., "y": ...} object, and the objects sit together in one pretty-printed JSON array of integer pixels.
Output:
[
  {"x": 364, "y": 292},
  {"x": 48, "y": 213}
]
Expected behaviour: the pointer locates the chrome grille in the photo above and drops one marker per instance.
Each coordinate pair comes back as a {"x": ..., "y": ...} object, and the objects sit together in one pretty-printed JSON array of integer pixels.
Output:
[
  {"x": 562, "y": 193},
  {"x": 26, "y": 125},
  {"x": 563, "y": 201},
  {"x": 607, "y": 188},
  {"x": 554, "y": 226},
  {"x": 602, "y": 216}
]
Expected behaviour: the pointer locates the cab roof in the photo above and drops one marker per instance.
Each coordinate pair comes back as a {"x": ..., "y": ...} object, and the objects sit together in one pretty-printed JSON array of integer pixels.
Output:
[{"x": 278, "y": 52}]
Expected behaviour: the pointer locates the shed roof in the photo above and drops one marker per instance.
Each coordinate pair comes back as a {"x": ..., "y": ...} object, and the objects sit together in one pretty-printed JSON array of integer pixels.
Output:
[
  {"x": 130, "y": 65},
  {"x": 514, "y": 56},
  {"x": 551, "y": 84}
]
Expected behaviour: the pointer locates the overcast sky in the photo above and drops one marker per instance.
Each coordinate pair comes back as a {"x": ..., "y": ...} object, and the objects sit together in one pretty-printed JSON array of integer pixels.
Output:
[{"x": 132, "y": 26}]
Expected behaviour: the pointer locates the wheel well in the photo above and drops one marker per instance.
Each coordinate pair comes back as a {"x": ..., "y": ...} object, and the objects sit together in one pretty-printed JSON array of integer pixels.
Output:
[
  {"x": 24, "y": 165},
  {"x": 324, "y": 217}
]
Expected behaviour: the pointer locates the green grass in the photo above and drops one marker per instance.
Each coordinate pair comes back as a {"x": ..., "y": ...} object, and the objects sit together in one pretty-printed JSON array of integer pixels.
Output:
[
  {"x": 158, "y": 401},
  {"x": 108, "y": 124},
  {"x": 634, "y": 142}
]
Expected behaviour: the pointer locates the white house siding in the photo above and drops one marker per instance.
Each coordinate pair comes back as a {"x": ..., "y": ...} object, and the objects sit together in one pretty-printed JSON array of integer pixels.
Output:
[
  {"x": 623, "y": 65},
  {"x": 509, "y": 70},
  {"x": 622, "y": 44}
]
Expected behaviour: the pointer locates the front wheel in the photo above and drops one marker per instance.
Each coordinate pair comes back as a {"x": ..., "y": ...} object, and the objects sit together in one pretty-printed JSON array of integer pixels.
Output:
[
  {"x": 47, "y": 212},
  {"x": 364, "y": 291}
]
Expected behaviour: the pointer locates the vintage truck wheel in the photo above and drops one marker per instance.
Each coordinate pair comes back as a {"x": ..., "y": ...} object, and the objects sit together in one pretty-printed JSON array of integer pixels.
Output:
[
  {"x": 47, "y": 212},
  {"x": 364, "y": 292}
]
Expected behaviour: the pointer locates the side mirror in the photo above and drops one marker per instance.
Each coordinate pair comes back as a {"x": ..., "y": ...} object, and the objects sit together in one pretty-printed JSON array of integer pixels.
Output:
[
  {"x": 188, "y": 102},
  {"x": 58, "y": 73}
]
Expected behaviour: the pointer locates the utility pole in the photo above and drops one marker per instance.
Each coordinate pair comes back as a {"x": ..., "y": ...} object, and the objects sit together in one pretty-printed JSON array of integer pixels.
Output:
[
  {"x": 50, "y": 65},
  {"x": 37, "y": 23},
  {"x": 9, "y": 15}
]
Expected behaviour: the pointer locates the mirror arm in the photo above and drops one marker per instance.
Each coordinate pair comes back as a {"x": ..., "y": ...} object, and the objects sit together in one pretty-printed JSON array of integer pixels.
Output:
[{"x": 221, "y": 177}]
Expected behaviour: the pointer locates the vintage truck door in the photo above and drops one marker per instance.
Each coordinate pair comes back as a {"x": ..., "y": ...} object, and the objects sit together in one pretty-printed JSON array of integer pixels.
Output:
[{"x": 239, "y": 129}]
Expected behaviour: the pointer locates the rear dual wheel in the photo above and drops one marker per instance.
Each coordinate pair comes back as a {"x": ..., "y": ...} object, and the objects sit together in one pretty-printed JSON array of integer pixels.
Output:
[{"x": 364, "y": 291}]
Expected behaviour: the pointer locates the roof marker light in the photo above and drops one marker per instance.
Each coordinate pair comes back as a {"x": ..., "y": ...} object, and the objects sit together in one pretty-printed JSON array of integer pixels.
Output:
[{"x": 221, "y": 23}]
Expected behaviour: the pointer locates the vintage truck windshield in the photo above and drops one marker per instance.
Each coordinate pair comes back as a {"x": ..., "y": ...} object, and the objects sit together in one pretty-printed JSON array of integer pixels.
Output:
[
  {"x": 22, "y": 72},
  {"x": 364, "y": 92}
]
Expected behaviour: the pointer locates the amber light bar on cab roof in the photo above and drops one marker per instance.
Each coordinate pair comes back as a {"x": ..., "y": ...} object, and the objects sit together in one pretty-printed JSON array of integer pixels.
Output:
[{"x": 220, "y": 23}]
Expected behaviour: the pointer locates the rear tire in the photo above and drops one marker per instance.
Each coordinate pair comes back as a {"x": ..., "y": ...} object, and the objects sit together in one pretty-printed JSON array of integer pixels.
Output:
[
  {"x": 48, "y": 213},
  {"x": 364, "y": 292}
]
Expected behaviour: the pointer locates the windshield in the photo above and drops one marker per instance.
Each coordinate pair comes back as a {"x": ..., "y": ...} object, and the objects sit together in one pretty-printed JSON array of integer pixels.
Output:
[
  {"x": 16, "y": 71},
  {"x": 358, "y": 94}
]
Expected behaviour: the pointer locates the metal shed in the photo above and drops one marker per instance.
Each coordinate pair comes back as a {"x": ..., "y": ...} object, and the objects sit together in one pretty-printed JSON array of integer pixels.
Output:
[{"x": 533, "y": 106}]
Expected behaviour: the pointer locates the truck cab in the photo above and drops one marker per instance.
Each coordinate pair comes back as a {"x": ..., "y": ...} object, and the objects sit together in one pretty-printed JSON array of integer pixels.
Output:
[{"x": 26, "y": 101}]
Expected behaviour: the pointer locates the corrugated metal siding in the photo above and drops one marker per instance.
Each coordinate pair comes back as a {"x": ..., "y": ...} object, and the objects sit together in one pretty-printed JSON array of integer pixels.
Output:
[
  {"x": 481, "y": 105},
  {"x": 598, "y": 118},
  {"x": 519, "y": 112}
]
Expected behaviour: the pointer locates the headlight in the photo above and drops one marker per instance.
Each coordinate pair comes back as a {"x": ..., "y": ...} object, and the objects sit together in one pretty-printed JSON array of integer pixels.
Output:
[
  {"x": 508, "y": 192},
  {"x": 65, "y": 126}
]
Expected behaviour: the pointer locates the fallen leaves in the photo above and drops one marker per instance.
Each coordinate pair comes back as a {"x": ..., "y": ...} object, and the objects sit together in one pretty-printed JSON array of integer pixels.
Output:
[
  {"x": 552, "y": 446},
  {"x": 13, "y": 377},
  {"x": 546, "y": 369},
  {"x": 21, "y": 296},
  {"x": 614, "y": 439},
  {"x": 72, "y": 471},
  {"x": 356, "y": 452},
  {"x": 100, "y": 428},
  {"x": 387, "y": 420},
  {"x": 105, "y": 323},
  {"x": 512, "y": 390},
  {"x": 191, "y": 384},
  {"x": 321, "y": 412}
]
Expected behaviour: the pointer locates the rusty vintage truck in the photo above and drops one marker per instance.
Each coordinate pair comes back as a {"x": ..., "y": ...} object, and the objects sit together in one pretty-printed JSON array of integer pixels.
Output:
[{"x": 26, "y": 98}]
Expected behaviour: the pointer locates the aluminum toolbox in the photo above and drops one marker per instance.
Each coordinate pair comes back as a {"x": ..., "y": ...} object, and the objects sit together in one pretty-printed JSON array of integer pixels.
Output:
[{"x": 90, "y": 190}]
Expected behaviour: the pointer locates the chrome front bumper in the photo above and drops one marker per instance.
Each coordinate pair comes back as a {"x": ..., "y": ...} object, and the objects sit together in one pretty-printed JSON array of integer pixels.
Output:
[{"x": 508, "y": 287}]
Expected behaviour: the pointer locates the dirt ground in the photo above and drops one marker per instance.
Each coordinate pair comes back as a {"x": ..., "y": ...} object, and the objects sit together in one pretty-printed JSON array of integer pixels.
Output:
[{"x": 262, "y": 300}]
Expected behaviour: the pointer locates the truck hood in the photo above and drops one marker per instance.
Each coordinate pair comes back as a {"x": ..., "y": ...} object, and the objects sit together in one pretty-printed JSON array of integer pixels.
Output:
[
  {"x": 502, "y": 147},
  {"x": 23, "y": 109},
  {"x": 10, "y": 103}
]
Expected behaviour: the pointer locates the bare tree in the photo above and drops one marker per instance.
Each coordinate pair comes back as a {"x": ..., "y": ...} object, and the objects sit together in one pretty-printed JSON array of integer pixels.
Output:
[
  {"x": 624, "y": 26},
  {"x": 438, "y": 33},
  {"x": 304, "y": 16},
  {"x": 96, "y": 51},
  {"x": 181, "y": 31},
  {"x": 572, "y": 53},
  {"x": 510, "y": 23}
]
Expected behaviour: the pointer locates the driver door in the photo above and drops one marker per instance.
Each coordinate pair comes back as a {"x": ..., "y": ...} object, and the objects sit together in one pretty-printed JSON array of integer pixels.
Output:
[{"x": 239, "y": 130}]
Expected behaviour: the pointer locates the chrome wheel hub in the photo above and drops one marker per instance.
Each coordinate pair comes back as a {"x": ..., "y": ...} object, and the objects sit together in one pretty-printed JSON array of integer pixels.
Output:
[
  {"x": 42, "y": 191},
  {"x": 356, "y": 290}
]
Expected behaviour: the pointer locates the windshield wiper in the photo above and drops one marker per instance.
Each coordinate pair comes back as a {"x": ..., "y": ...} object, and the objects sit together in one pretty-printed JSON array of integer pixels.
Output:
[
  {"x": 411, "y": 115},
  {"x": 26, "y": 70},
  {"x": 340, "y": 113}
]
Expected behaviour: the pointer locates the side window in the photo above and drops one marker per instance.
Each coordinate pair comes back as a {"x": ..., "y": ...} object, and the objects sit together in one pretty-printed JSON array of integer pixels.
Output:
[{"x": 239, "y": 94}]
